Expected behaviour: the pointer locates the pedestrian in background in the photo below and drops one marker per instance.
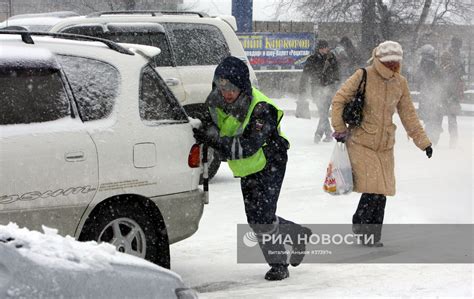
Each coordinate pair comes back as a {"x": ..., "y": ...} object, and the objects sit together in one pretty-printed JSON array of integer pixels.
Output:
[
  {"x": 429, "y": 79},
  {"x": 370, "y": 146},
  {"x": 321, "y": 71},
  {"x": 245, "y": 129},
  {"x": 348, "y": 57},
  {"x": 452, "y": 67}
]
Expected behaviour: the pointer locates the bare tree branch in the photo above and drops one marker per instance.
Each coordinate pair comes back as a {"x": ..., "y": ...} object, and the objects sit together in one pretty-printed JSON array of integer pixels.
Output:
[{"x": 421, "y": 21}]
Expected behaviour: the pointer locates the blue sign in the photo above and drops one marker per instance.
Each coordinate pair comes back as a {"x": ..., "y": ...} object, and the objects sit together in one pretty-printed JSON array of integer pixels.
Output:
[{"x": 285, "y": 50}]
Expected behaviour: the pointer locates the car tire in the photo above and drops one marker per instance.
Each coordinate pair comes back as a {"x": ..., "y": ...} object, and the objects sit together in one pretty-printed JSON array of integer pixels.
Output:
[{"x": 132, "y": 229}]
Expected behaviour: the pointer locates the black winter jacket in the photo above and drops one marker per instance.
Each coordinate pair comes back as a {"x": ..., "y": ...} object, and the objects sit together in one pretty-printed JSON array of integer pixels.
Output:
[
  {"x": 322, "y": 69},
  {"x": 260, "y": 131}
]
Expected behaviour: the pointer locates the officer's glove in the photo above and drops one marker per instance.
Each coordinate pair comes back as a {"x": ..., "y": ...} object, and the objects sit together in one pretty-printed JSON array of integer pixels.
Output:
[
  {"x": 429, "y": 151},
  {"x": 209, "y": 136},
  {"x": 340, "y": 136}
]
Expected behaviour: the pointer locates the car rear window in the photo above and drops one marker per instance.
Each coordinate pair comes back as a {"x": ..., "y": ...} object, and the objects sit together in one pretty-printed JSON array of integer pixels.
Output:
[
  {"x": 87, "y": 29},
  {"x": 31, "y": 97},
  {"x": 148, "y": 34},
  {"x": 149, "y": 39},
  {"x": 197, "y": 44},
  {"x": 156, "y": 102},
  {"x": 95, "y": 85}
]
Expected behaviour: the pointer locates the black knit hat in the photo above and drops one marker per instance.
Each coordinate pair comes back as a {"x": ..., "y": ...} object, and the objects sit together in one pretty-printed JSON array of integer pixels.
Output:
[{"x": 236, "y": 71}]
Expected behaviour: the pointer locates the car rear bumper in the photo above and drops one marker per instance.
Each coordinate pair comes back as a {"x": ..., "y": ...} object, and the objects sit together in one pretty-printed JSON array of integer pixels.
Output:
[{"x": 181, "y": 213}]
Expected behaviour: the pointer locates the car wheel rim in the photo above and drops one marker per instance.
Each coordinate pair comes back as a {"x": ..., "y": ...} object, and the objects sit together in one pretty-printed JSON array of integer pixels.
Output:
[{"x": 126, "y": 235}]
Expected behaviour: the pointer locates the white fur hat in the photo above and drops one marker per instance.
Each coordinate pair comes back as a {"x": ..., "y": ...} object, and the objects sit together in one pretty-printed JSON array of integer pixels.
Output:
[{"x": 389, "y": 51}]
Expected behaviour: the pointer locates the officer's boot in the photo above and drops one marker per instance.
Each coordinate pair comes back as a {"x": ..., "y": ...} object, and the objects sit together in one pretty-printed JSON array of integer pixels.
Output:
[{"x": 277, "y": 272}]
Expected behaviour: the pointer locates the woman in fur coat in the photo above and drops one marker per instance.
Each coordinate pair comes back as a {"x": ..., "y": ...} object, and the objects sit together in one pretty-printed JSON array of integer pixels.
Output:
[{"x": 370, "y": 146}]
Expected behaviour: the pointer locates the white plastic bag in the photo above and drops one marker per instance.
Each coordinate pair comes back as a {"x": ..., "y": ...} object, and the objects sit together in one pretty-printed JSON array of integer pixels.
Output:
[{"x": 339, "y": 172}]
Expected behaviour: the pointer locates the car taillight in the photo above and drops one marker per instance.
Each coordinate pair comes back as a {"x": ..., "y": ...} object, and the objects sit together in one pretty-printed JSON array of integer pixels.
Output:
[{"x": 194, "y": 158}]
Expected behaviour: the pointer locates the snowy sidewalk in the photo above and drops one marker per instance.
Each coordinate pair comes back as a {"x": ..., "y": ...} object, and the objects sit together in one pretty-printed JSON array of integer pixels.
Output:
[{"x": 436, "y": 190}]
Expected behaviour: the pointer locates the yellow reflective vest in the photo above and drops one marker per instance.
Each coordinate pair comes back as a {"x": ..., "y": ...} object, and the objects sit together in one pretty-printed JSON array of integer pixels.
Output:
[{"x": 230, "y": 126}]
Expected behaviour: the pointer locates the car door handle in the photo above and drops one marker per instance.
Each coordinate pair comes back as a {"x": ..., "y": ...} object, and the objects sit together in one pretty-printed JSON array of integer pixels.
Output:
[
  {"x": 171, "y": 81},
  {"x": 75, "y": 156}
]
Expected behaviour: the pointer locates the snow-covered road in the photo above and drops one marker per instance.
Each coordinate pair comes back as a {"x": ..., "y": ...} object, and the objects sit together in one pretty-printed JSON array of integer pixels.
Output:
[{"x": 437, "y": 190}]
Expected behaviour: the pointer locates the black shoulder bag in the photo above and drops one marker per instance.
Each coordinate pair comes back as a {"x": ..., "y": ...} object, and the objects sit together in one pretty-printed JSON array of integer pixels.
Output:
[{"x": 352, "y": 113}]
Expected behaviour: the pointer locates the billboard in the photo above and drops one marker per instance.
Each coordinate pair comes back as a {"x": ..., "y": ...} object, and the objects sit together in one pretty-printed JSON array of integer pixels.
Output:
[{"x": 277, "y": 50}]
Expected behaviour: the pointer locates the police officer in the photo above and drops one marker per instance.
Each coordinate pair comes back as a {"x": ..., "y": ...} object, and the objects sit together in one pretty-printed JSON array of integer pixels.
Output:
[{"x": 244, "y": 127}]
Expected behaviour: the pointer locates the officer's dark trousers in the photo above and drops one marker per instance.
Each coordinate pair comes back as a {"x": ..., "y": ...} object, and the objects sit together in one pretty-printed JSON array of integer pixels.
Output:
[
  {"x": 261, "y": 191},
  {"x": 368, "y": 218}
]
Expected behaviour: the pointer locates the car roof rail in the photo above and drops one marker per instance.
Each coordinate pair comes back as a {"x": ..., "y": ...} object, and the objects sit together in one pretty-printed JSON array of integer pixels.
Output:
[
  {"x": 15, "y": 28},
  {"x": 54, "y": 14},
  {"x": 153, "y": 13},
  {"x": 27, "y": 39},
  {"x": 184, "y": 12}
]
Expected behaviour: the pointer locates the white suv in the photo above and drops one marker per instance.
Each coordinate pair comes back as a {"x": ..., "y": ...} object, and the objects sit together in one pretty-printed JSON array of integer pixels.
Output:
[
  {"x": 35, "y": 21},
  {"x": 192, "y": 46},
  {"x": 92, "y": 142}
]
